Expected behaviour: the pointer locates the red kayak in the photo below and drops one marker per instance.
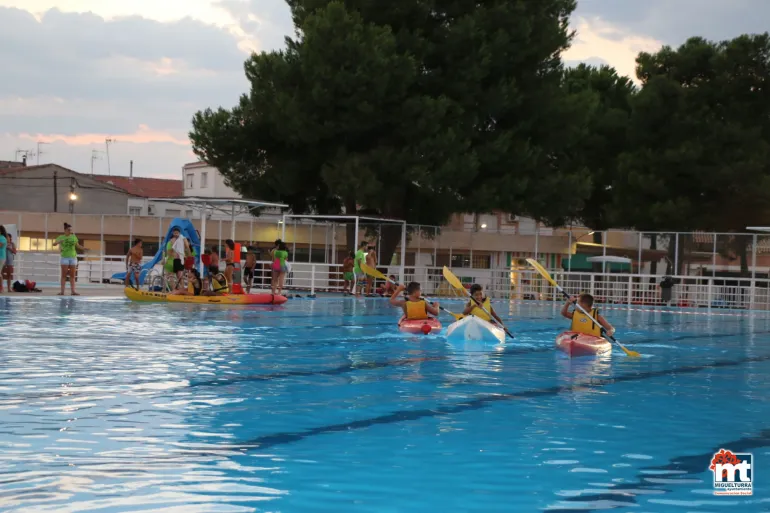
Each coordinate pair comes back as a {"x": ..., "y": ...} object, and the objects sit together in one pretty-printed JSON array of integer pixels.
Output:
[
  {"x": 425, "y": 326},
  {"x": 580, "y": 344}
]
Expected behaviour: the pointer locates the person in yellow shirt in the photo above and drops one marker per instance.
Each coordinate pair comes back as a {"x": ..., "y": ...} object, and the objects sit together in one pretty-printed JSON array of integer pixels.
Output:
[
  {"x": 415, "y": 307},
  {"x": 581, "y": 323},
  {"x": 472, "y": 308}
]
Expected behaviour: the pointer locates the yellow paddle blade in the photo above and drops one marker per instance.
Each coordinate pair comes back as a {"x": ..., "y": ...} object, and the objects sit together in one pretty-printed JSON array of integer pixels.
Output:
[
  {"x": 373, "y": 272},
  {"x": 629, "y": 352},
  {"x": 539, "y": 268},
  {"x": 453, "y": 280}
]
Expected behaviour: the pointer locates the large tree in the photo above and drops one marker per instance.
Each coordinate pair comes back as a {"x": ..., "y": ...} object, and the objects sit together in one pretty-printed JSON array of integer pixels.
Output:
[
  {"x": 599, "y": 149},
  {"x": 699, "y": 139},
  {"x": 412, "y": 109}
]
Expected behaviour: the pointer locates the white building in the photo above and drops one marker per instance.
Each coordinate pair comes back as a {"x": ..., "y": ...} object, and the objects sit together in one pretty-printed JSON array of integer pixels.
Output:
[{"x": 204, "y": 181}]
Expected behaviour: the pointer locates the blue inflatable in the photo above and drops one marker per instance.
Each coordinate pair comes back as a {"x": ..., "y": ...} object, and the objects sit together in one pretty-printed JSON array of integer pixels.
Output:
[{"x": 187, "y": 229}]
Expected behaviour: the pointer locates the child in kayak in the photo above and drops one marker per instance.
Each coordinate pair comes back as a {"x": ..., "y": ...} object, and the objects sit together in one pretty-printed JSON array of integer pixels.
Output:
[
  {"x": 580, "y": 321},
  {"x": 414, "y": 306},
  {"x": 472, "y": 308}
]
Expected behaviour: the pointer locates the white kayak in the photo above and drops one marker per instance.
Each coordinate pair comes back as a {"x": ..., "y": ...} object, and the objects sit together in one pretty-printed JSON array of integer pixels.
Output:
[{"x": 473, "y": 328}]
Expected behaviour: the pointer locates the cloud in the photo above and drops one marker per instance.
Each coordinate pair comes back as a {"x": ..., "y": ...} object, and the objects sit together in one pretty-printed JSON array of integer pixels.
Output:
[
  {"x": 78, "y": 76},
  {"x": 142, "y": 135},
  {"x": 673, "y": 22},
  {"x": 599, "y": 41},
  {"x": 264, "y": 22}
]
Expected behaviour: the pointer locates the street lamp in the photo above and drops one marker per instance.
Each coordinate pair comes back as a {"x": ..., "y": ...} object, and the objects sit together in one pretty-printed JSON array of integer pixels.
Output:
[{"x": 73, "y": 198}]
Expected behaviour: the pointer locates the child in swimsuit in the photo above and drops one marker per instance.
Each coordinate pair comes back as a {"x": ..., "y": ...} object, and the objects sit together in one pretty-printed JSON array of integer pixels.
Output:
[
  {"x": 134, "y": 263},
  {"x": 229, "y": 263},
  {"x": 347, "y": 273}
]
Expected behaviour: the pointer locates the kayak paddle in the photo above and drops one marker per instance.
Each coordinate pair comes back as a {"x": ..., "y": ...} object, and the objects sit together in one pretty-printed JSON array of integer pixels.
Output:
[
  {"x": 374, "y": 273},
  {"x": 454, "y": 281},
  {"x": 539, "y": 268}
]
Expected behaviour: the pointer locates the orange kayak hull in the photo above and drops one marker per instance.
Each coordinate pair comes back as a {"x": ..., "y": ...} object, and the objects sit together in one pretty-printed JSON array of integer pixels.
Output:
[{"x": 579, "y": 344}]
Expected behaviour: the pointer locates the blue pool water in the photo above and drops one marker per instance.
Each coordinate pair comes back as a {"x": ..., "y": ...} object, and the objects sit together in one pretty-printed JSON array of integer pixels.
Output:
[{"x": 323, "y": 406}]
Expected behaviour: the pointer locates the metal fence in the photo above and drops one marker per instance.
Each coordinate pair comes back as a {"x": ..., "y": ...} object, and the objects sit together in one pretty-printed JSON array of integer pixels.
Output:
[{"x": 688, "y": 292}]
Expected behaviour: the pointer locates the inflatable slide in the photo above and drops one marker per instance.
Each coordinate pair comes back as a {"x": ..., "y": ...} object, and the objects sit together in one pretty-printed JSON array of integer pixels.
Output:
[{"x": 189, "y": 232}]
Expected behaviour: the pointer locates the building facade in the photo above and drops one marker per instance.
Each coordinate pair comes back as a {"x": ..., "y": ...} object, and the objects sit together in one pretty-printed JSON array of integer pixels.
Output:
[{"x": 204, "y": 181}]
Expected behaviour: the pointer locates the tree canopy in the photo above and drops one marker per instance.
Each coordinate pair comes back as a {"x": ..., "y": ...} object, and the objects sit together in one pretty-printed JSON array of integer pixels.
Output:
[
  {"x": 698, "y": 139},
  {"x": 418, "y": 109},
  {"x": 414, "y": 109}
]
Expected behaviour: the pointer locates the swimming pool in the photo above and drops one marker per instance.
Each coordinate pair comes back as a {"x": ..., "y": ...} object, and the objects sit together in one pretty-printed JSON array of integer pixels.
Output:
[{"x": 322, "y": 405}]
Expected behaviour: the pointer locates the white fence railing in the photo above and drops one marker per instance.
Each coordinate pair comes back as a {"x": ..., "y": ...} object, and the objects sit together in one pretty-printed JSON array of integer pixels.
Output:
[{"x": 625, "y": 289}]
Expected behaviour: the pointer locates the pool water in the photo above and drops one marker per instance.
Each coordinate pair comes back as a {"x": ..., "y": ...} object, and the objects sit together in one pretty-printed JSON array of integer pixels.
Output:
[{"x": 324, "y": 406}]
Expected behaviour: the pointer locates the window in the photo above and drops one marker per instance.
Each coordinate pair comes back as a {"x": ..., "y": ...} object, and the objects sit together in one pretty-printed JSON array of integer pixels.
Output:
[
  {"x": 134, "y": 211},
  {"x": 459, "y": 261},
  {"x": 480, "y": 261},
  {"x": 173, "y": 213},
  {"x": 190, "y": 181},
  {"x": 204, "y": 180},
  {"x": 188, "y": 214}
]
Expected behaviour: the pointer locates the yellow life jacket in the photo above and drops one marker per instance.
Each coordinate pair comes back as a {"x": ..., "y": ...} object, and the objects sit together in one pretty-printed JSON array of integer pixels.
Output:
[
  {"x": 416, "y": 310},
  {"x": 581, "y": 323},
  {"x": 218, "y": 287},
  {"x": 479, "y": 312}
]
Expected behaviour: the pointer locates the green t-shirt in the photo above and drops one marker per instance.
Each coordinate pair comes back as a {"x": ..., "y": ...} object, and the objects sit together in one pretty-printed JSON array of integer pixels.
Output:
[
  {"x": 169, "y": 267},
  {"x": 67, "y": 244},
  {"x": 281, "y": 255},
  {"x": 360, "y": 258}
]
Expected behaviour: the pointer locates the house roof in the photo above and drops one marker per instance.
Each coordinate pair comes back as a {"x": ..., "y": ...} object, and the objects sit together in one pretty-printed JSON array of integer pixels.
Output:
[
  {"x": 137, "y": 186},
  {"x": 144, "y": 187},
  {"x": 193, "y": 165}
]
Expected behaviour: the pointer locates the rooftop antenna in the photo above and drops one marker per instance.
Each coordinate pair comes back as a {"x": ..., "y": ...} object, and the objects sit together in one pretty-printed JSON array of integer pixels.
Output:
[
  {"x": 107, "y": 143},
  {"x": 38, "y": 150},
  {"x": 95, "y": 156}
]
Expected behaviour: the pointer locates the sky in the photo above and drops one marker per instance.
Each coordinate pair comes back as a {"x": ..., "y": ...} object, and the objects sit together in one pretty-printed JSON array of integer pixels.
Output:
[{"x": 78, "y": 72}]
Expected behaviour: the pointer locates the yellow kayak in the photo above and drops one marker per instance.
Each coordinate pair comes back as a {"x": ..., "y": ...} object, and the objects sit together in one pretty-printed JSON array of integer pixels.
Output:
[{"x": 229, "y": 299}]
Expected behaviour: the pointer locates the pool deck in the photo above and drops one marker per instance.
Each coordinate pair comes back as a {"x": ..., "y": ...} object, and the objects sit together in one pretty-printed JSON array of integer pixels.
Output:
[{"x": 84, "y": 291}]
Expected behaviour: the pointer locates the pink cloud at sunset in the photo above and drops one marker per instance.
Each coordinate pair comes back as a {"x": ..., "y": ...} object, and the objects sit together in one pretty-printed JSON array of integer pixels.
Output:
[{"x": 143, "y": 135}]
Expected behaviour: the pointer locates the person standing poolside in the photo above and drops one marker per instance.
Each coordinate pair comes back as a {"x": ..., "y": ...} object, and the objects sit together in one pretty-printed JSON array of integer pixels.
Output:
[
  {"x": 3, "y": 252},
  {"x": 69, "y": 245},
  {"x": 10, "y": 255},
  {"x": 371, "y": 261},
  {"x": 360, "y": 258},
  {"x": 347, "y": 274},
  {"x": 230, "y": 263},
  {"x": 134, "y": 263},
  {"x": 279, "y": 255},
  {"x": 249, "y": 268},
  {"x": 179, "y": 248}
]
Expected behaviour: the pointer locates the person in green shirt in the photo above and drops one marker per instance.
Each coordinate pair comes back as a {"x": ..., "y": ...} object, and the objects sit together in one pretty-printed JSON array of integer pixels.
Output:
[
  {"x": 360, "y": 258},
  {"x": 279, "y": 255},
  {"x": 69, "y": 245}
]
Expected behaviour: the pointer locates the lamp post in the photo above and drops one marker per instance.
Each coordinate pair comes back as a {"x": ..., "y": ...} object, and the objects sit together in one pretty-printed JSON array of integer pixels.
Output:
[{"x": 73, "y": 198}]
